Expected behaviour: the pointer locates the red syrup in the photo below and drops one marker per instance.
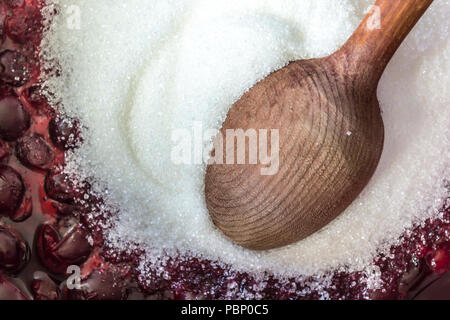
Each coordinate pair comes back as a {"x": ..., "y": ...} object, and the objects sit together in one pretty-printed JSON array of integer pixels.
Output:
[{"x": 46, "y": 225}]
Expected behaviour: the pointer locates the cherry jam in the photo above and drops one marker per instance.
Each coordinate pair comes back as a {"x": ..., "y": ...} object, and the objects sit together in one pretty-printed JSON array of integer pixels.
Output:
[{"x": 44, "y": 230}]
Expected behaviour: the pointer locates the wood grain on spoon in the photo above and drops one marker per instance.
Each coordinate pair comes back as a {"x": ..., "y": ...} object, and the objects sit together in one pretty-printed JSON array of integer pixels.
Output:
[{"x": 330, "y": 137}]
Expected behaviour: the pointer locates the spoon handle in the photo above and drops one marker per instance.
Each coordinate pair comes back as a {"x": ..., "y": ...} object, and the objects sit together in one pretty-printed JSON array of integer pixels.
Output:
[{"x": 368, "y": 51}]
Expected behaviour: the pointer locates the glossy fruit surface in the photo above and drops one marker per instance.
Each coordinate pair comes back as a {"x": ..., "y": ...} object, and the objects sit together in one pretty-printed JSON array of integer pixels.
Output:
[
  {"x": 14, "y": 119},
  {"x": 34, "y": 151},
  {"x": 14, "y": 251},
  {"x": 11, "y": 190}
]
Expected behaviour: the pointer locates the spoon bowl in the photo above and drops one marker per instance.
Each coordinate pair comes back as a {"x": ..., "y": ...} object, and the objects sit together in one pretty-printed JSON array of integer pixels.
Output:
[{"x": 331, "y": 137}]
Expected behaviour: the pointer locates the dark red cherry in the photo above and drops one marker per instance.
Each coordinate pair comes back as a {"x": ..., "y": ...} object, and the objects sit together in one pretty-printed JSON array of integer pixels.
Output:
[
  {"x": 64, "y": 132},
  {"x": 44, "y": 288},
  {"x": 14, "y": 3},
  {"x": 99, "y": 285},
  {"x": 61, "y": 188},
  {"x": 14, "y": 68},
  {"x": 438, "y": 260},
  {"x": 46, "y": 239},
  {"x": 24, "y": 211},
  {"x": 2, "y": 24},
  {"x": 24, "y": 24},
  {"x": 9, "y": 291},
  {"x": 14, "y": 251},
  {"x": 62, "y": 245},
  {"x": 11, "y": 190},
  {"x": 74, "y": 247},
  {"x": 4, "y": 149},
  {"x": 14, "y": 119},
  {"x": 34, "y": 151},
  {"x": 64, "y": 209},
  {"x": 437, "y": 287},
  {"x": 6, "y": 90},
  {"x": 411, "y": 278}
]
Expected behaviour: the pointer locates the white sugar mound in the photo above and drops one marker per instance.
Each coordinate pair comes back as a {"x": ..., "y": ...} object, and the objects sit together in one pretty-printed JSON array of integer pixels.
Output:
[{"x": 134, "y": 71}]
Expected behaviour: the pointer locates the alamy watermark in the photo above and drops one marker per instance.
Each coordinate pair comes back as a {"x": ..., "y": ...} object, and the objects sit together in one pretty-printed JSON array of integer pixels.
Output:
[
  {"x": 234, "y": 146},
  {"x": 73, "y": 282}
]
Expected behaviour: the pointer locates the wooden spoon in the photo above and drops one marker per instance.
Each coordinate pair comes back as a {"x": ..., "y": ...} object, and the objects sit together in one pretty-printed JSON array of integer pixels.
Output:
[{"x": 330, "y": 137}]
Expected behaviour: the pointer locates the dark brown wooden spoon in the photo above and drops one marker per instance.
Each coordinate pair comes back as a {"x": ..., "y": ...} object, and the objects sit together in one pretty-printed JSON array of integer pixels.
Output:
[{"x": 330, "y": 137}]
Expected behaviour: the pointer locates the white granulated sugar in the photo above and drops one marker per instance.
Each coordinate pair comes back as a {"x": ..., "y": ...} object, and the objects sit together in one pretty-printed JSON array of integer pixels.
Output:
[{"x": 136, "y": 70}]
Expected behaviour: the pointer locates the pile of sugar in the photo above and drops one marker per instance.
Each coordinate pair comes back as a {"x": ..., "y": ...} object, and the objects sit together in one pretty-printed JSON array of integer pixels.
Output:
[{"x": 134, "y": 71}]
